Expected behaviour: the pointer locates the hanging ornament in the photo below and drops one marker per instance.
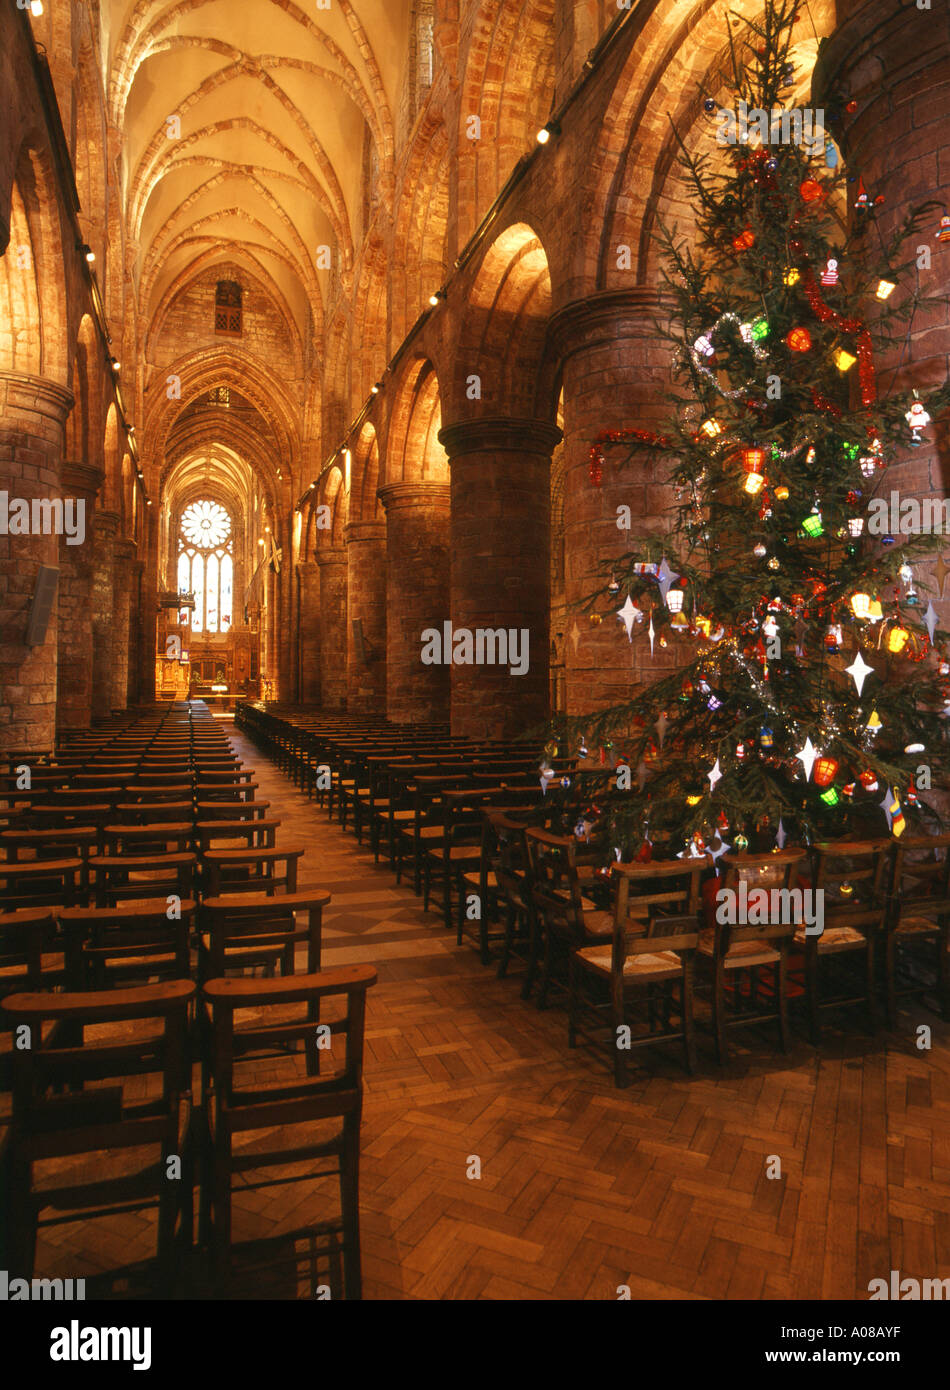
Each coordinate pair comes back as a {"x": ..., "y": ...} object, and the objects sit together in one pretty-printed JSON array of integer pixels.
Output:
[
  {"x": 943, "y": 232},
  {"x": 918, "y": 419},
  {"x": 874, "y": 724},
  {"x": 862, "y": 202},
  {"x": 812, "y": 525},
  {"x": 780, "y": 835},
  {"x": 744, "y": 240},
  {"x": 766, "y": 737},
  {"x": 710, "y": 106},
  {"x": 798, "y": 339},
  {"x": 885, "y": 288},
  {"x": 891, "y": 806},
  {"x": 829, "y": 276},
  {"x": 833, "y": 638},
  {"x": 651, "y": 632},
  {"x": 742, "y": 844},
  {"x": 759, "y": 551},
  {"x": 806, "y": 757},
  {"x": 595, "y": 619},
  {"x": 791, "y": 276},
  {"x": 826, "y": 769},
  {"x": 665, "y": 578},
  {"x": 930, "y": 620},
  {"x": 714, "y": 775},
  {"x": 740, "y": 752},
  {"x": 897, "y": 638},
  {"x": 868, "y": 780},
  {"x": 859, "y": 671},
  {"x": 812, "y": 191},
  {"x": 628, "y": 615}
]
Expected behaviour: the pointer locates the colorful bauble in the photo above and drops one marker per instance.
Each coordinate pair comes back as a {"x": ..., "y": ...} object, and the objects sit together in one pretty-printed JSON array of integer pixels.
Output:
[{"x": 798, "y": 339}]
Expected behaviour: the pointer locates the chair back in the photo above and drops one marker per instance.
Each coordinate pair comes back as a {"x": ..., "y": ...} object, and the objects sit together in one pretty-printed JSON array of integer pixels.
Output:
[
  {"x": 749, "y": 877},
  {"x": 920, "y": 877},
  {"x": 854, "y": 877},
  {"x": 555, "y": 886}
]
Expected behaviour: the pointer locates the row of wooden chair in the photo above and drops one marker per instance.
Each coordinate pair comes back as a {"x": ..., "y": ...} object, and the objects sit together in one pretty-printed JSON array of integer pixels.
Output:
[{"x": 144, "y": 900}]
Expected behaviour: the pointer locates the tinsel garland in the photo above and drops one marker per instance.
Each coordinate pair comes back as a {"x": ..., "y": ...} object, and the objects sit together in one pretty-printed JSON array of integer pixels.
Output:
[
  {"x": 597, "y": 459},
  {"x": 826, "y": 314}
]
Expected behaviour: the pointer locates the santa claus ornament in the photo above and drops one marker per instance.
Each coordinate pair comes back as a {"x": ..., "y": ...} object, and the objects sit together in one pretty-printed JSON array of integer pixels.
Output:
[{"x": 918, "y": 419}]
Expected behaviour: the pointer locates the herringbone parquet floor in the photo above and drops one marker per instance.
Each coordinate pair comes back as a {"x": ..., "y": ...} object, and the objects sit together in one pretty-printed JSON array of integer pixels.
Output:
[{"x": 662, "y": 1187}]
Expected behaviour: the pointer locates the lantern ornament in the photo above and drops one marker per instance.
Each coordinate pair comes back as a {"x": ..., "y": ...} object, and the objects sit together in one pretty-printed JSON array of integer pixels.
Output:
[
  {"x": 826, "y": 769},
  {"x": 754, "y": 483},
  {"x": 674, "y": 600},
  {"x": 813, "y": 525},
  {"x": 780, "y": 493},
  {"x": 861, "y": 606},
  {"x": 885, "y": 288},
  {"x": 897, "y": 638},
  {"x": 711, "y": 427},
  {"x": 753, "y": 459},
  {"x": 855, "y": 526},
  {"x": 798, "y": 339},
  {"x": 831, "y": 797}
]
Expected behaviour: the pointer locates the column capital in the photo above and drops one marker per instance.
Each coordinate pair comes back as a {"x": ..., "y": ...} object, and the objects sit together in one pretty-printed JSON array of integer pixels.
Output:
[
  {"x": 604, "y": 317},
  {"x": 36, "y": 394},
  {"x": 355, "y": 531},
  {"x": 106, "y": 523},
  {"x": 82, "y": 477},
  {"x": 331, "y": 555},
  {"x": 125, "y": 549},
  {"x": 402, "y": 496},
  {"x": 877, "y": 45},
  {"x": 491, "y": 434}
]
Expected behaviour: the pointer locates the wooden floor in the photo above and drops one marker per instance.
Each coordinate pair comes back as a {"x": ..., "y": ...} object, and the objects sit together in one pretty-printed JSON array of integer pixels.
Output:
[{"x": 662, "y": 1187}]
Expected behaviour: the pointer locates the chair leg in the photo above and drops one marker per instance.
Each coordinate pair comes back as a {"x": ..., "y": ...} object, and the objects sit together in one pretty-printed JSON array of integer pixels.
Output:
[
  {"x": 573, "y": 984},
  {"x": 534, "y": 928},
  {"x": 943, "y": 974},
  {"x": 871, "y": 983},
  {"x": 890, "y": 978},
  {"x": 719, "y": 1008},
  {"x": 686, "y": 1013},
  {"x": 510, "y": 918},
  {"x": 814, "y": 1001},
  {"x": 545, "y": 970},
  {"x": 350, "y": 1202},
  {"x": 621, "y": 1074},
  {"x": 780, "y": 977}
]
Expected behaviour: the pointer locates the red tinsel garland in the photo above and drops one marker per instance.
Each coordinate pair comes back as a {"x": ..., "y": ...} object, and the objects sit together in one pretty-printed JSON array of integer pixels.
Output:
[
  {"x": 597, "y": 460},
  {"x": 826, "y": 314}
]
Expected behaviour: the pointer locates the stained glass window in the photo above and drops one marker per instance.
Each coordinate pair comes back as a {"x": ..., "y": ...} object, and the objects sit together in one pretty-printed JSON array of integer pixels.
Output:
[{"x": 206, "y": 565}]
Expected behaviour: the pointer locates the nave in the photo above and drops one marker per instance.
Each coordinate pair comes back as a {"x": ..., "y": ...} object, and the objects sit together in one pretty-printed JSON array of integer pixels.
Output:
[{"x": 661, "y": 1187}]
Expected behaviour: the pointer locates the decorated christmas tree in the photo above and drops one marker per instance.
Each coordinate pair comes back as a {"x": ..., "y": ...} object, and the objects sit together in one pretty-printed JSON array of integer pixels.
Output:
[{"x": 811, "y": 698}]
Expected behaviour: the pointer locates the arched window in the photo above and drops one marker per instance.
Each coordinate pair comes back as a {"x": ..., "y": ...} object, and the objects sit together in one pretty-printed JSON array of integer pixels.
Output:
[
  {"x": 227, "y": 308},
  {"x": 206, "y": 564}
]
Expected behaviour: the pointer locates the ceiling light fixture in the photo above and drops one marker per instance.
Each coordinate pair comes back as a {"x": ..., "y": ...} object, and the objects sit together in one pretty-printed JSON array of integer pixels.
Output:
[{"x": 36, "y": 8}]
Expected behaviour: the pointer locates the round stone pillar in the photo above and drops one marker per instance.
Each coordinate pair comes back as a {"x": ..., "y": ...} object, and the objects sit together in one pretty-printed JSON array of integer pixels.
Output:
[
  {"x": 105, "y": 527},
  {"x": 615, "y": 370},
  {"x": 308, "y": 578},
  {"x": 894, "y": 62},
  {"x": 500, "y": 532},
  {"x": 418, "y": 518},
  {"x": 332, "y": 564},
  {"x": 138, "y": 672},
  {"x": 32, "y": 419},
  {"x": 76, "y": 575},
  {"x": 365, "y": 543},
  {"x": 123, "y": 555}
]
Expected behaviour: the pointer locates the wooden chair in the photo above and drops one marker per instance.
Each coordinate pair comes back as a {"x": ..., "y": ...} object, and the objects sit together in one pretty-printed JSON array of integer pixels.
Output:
[
  {"x": 135, "y": 943},
  {"x": 43, "y": 883},
  {"x": 125, "y": 877},
  {"x": 250, "y": 870},
  {"x": 655, "y": 937},
  {"x": 247, "y": 930},
  {"x": 565, "y": 919},
  {"x": 124, "y": 1036},
  {"x": 256, "y": 834},
  {"x": 236, "y": 1106},
  {"x": 853, "y": 878},
  {"x": 159, "y": 837},
  {"x": 729, "y": 949},
  {"x": 918, "y": 922}
]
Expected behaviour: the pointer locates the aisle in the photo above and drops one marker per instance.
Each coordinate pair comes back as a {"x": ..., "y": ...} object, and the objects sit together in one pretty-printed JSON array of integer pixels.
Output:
[{"x": 661, "y": 1187}]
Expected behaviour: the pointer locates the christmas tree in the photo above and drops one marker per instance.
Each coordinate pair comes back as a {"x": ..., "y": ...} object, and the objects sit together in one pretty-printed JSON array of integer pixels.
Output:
[{"x": 811, "y": 699}]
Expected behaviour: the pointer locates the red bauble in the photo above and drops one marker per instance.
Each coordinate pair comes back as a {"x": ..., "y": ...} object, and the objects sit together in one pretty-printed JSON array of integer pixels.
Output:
[
  {"x": 744, "y": 240},
  {"x": 798, "y": 339},
  {"x": 812, "y": 191}
]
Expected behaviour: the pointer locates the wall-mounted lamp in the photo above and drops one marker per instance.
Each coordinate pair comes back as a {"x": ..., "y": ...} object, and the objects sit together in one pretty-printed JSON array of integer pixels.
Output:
[
  {"x": 436, "y": 298},
  {"x": 36, "y": 8},
  {"x": 116, "y": 366},
  {"x": 546, "y": 131},
  {"x": 89, "y": 254}
]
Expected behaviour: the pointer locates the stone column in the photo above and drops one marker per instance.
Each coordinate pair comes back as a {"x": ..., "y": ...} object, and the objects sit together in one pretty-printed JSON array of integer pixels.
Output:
[
  {"x": 332, "y": 564},
  {"x": 365, "y": 543},
  {"x": 500, "y": 571},
  {"x": 615, "y": 370},
  {"x": 32, "y": 419},
  {"x": 123, "y": 555},
  {"x": 105, "y": 526},
  {"x": 76, "y": 578},
  {"x": 309, "y": 634},
  {"x": 894, "y": 62},
  {"x": 418, "y": 518},
  {"x": 137, "y": 673}
]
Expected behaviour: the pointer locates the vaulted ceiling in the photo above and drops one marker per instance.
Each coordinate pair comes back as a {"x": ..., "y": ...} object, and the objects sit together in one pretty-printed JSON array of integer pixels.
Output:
[{"x": 251, "y": 125}]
